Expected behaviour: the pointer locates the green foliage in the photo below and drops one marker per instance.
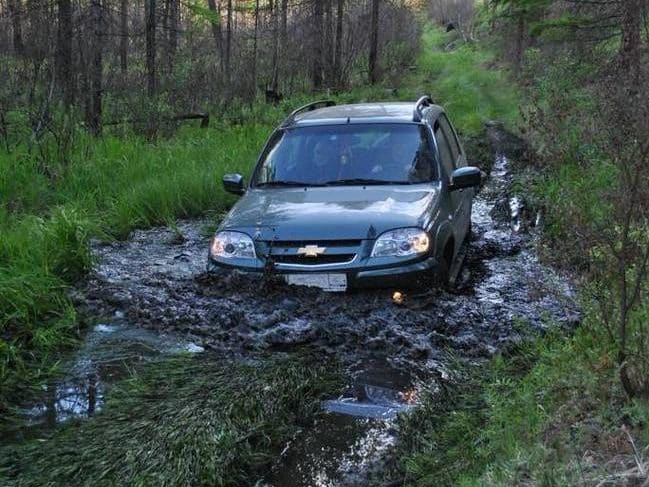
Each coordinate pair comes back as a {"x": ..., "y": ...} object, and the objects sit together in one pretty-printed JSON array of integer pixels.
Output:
[
  {"x": 459, "y": 78},
  {"x": 107, "y": 187},
  {"x": 528, "y": 418},
  {"x": 186, "y": 421},
  {"x": 200, "y": 11}
]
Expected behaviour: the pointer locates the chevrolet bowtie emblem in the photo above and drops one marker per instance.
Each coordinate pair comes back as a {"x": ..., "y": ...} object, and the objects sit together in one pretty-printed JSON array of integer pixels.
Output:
[{"x": 311, "y": 251}]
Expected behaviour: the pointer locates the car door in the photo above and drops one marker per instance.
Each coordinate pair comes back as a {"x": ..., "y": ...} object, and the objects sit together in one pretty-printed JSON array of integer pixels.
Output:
[
  {"x": 448, "y": 166},
  {"x": 463, "y": 197}
]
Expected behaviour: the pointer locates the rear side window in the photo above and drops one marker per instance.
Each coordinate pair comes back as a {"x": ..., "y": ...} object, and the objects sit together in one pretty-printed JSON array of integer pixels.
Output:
[
  {"x": 454, "y": 145},
  {"x": 445, "y": 153}
]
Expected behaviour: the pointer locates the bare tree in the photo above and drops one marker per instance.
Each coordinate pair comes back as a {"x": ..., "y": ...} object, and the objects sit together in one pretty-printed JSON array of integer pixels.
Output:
[
  {"x": 15, "y": 11},
  {"x": 94, "y": 119},
  {"x": 374, "y": 43},
  {"x": 173, "y": 13},
  {"x": 216, "y": 29},
  {"x": 123, "y": 41},
  {"x": 228, "y": 43},
  {"x": 150, "y": 14},
  {"x": 316, "y": 74},
  {"x": 338, "y": 52},
  {"x": 64, "y": 51}
]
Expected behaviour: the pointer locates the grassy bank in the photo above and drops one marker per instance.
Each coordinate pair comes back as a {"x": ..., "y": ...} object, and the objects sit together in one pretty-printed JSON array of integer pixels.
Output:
[
  {"x": 106, "y": 187},
  {"x": 552, "y": 413},
  {"x": 185, "y": 421}
]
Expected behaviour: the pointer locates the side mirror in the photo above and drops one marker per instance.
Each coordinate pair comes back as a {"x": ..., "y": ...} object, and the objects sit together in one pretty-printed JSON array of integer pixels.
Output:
[
  {"x": 233, "y": 183},
  {"x": 465, "y": 177}
]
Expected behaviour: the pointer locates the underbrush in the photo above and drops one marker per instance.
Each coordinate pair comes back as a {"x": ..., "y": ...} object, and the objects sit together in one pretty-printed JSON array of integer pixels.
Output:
[
  {"x": 184, "y": 421},
  {"x": 551, "y": 412},
  {"x": 556, "y": 412}
]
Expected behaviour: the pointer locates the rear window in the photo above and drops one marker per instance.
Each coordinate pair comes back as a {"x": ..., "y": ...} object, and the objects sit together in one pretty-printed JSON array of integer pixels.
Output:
[{"x": 391, "y": 153}]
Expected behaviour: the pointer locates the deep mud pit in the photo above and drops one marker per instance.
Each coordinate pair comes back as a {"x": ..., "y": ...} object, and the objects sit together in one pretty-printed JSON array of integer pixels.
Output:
[{"x": 154, "y": 285}]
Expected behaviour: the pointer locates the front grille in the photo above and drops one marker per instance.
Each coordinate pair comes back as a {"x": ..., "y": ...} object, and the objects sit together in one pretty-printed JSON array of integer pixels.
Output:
[
  {"x": 320, "y": 243},
  {"x": 320, "y": 260}
]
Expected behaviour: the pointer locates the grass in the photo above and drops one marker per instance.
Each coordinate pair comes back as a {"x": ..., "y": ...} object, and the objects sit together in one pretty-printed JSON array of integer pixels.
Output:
[
  {"x": 551, "y": 413},
  {"x": 185, "y": 421},
  {"x": 107, "y": 187},
  {"x": 459, "y": 78}
]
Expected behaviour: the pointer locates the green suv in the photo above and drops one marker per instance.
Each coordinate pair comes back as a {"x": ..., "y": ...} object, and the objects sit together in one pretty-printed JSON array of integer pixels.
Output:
[{"x": 345, "y": 196}]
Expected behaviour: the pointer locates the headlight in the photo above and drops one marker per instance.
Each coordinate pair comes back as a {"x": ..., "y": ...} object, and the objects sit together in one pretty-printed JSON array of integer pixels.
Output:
[
  {"x": 228, "y": 245},
  {"x": 401, "y": 243}
]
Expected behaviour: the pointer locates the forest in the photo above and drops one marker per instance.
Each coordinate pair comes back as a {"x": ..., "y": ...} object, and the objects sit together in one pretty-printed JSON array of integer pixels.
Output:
[{"x": 117, "y": 122}]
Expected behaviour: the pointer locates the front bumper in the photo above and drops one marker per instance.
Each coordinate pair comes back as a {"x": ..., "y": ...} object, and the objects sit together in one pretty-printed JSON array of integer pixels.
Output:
[{"x": 397, "y": 274}]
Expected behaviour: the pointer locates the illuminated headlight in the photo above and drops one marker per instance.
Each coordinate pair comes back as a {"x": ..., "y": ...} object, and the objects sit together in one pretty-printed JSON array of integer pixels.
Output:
[
  {"x": 229, "y": 245},
  {"x": 404, "y": 242}
]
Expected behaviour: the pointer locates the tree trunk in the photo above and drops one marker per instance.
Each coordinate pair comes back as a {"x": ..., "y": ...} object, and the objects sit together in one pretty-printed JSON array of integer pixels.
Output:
[
  {"x": 228, "y": 43},
  {"x": 173, "y": 33},
  {"x": 96, "y": 75},
  {"x": 284, "y": 33},
  {"x": 316, "y": 74},
  {"x": 520, "y": 42},
  {"x": 329, "y": 43},
  {"x": 64, "y": 52},
  {"x": 275, "y": 63},
  {"x": 374, "y": 43},
  {"x": 338, "y": 62},
  {"x": 631, "y": 38},
  {"x": 150, "y": 11},
  {"x": 216, "y": 30},
  {"x": 123, "y": 43},
  {"x": 254, "y": 51},
  {"x": 15, "y": 11}
]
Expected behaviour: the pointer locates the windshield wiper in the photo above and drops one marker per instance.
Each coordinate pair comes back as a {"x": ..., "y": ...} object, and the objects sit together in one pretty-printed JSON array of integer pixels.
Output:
[
  {"x": 360, "y": 181},
  {"x": 268, "y": 184}
]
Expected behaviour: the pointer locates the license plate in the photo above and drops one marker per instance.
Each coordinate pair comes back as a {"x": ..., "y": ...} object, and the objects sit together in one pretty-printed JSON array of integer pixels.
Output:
[{"x": 327, "y": 282}]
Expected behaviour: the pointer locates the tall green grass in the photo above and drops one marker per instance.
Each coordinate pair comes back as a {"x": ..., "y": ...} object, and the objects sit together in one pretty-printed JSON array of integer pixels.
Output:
[
  {"x": 108, "y": 187},
  {"x": 458, "y": 75},
  {"x": 184, "y": 421}
]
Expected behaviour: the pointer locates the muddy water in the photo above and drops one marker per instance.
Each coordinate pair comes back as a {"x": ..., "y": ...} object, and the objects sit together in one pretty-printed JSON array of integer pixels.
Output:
[{"x": 160, "y": 301}]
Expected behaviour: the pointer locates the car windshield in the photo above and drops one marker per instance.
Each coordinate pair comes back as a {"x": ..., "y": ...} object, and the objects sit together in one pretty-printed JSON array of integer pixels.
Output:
[{"x": 347, "y": 154}]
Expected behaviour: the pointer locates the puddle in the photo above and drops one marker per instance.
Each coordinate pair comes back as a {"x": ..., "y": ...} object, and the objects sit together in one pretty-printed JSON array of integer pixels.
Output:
[
  {"x": 162, "y": 302},
  {"x": 350, "y": 444},
  {"x": 108, "y": 354}
]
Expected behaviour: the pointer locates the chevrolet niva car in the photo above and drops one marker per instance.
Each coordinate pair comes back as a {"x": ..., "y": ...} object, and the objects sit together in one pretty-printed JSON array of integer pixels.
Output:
[{"x": 347, "y": 196}]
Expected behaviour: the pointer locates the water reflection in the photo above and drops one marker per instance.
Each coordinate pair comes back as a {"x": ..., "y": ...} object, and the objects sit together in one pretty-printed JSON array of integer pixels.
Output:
[{"x": 109, "y": 353}]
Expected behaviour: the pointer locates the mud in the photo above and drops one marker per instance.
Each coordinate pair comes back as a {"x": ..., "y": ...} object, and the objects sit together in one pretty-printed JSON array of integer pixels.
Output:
[{"x": 155, "y": 283}]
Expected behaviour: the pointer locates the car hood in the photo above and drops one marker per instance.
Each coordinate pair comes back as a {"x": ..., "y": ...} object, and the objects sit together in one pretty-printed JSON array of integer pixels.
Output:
[{"x": 331, "y": 213}]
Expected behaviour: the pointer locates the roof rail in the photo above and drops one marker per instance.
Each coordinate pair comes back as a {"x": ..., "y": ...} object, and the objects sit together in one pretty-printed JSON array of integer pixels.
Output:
[
  {"x": 423, "y": 102},
  {"x": 307, "y": 108}
]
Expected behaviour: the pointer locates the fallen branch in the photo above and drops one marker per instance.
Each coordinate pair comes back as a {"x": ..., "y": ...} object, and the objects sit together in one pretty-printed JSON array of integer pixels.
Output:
[{"x": 204, "y": 117}]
